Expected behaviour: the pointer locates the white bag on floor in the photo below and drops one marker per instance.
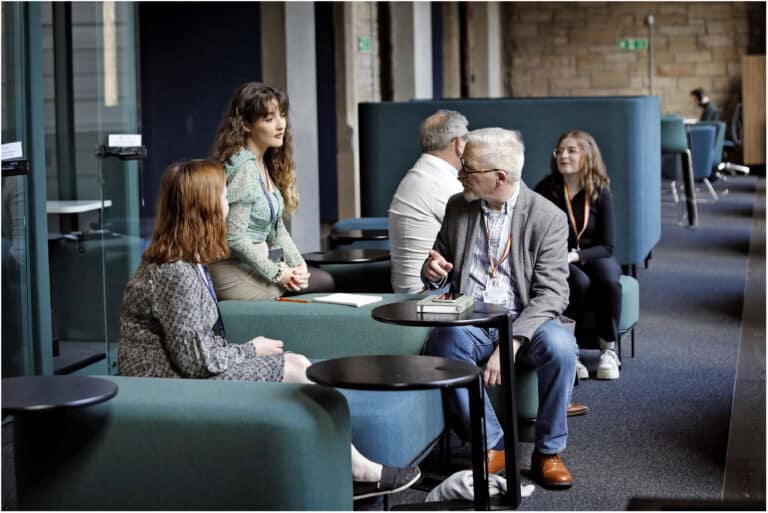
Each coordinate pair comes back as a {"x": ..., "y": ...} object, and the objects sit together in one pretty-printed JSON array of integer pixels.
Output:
[{"x": 459, "y": 486}]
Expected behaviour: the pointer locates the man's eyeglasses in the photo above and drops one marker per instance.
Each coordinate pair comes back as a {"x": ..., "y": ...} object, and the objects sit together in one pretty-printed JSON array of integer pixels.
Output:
[
  {"x": 571, "y": 150},
  {"x": 465, "y": 170}
]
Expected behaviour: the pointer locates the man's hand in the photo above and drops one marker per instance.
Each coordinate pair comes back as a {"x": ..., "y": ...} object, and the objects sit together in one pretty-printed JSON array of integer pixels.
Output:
[
  {"x": 267, "y": 346},
  {"x": 437, "y": 267},
  {"x": 492, "y": 373}
]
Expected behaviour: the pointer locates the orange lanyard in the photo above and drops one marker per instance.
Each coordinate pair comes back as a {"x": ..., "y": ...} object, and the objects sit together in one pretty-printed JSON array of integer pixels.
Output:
[
  {"x": 495, "y": 267},
  {"x": 572, "y": 217}
]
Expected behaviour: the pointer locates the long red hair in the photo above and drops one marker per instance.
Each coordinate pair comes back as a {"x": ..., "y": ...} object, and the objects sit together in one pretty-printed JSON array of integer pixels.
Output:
[{"x": 190, "y": 226}]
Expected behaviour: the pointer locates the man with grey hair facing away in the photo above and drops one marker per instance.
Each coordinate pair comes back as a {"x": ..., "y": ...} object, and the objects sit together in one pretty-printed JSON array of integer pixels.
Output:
[
  {"x": 502, "y": 243},
  {"x": 418, "y": 205}
]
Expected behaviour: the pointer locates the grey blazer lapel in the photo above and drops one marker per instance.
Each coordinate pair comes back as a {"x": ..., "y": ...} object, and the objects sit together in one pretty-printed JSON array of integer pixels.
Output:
[
  {"x": 517, "y": 260},
  {"x": 473, "y": 224}
]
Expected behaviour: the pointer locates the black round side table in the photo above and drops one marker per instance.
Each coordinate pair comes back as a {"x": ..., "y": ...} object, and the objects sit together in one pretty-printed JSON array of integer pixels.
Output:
[
  {"x": 485, "y": 315},
  {"x": 30, "y": 394},
  {"x": 416, "y": 372},
  {"x": 346, "y": 256},
  {"x": 351, "y": 236}
]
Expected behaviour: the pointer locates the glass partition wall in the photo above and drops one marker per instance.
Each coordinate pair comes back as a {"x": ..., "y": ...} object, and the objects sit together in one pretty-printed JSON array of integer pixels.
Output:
[
  {"x": 90, "y": 89},
  {"x": 17, "y": 354}
]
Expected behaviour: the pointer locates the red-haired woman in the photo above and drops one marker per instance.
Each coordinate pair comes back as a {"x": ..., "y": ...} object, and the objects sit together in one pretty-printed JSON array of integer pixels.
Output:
[
  {"x": 254, "y": 145},
  {"x": 579, "y": 185},
  {"x": 170, "y": 324}
]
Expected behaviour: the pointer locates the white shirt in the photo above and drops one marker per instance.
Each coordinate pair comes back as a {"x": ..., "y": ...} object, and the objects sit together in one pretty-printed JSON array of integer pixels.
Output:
[
  {"x": 415, "y": 216},
  {"x": 499, "y": 225}
]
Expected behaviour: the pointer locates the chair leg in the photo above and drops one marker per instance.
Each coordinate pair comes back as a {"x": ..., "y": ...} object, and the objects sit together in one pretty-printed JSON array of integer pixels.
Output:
[
  {"x": 711, "y": 189},
  {"x": 690, "y": 190},
  {"x": 632, "y": 342},
  {"x": 675, "y": 195}
]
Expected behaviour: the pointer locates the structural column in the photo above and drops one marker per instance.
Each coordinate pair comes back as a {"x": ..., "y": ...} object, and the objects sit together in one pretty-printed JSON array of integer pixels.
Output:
[
  {"x": 288, "y": 62},
  {"x": 411, "y": 50},
  {"x": 485, "y": 66},
  {"x": 357, "y": 80}
]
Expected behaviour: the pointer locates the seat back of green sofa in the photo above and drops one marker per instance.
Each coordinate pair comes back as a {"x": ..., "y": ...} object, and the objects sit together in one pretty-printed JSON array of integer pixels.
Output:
[{"x": 321, "y": 331}]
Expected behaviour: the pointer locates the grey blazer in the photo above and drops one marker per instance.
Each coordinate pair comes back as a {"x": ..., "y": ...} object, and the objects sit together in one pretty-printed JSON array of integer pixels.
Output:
[
  {"x": 538, "y": 256},
  {"x": 166, "y": 330}
]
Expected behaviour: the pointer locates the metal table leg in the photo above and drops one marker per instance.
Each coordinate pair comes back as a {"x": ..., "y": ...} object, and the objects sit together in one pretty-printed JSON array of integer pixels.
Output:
[
  {"x": 479, "y": 450},
  {"x": 510, "y": 415}
]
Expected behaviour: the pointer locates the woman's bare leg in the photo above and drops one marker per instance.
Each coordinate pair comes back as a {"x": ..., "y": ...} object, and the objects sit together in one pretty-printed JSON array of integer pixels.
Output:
[{"x": 295, "y": 371}]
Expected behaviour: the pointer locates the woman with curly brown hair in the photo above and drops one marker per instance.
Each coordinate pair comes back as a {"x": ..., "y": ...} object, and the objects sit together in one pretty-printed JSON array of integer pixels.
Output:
[
  {"x": 579, "y": 185},
  {"x": 170, "y": 324},
  {"x": 254, "y": 145}
]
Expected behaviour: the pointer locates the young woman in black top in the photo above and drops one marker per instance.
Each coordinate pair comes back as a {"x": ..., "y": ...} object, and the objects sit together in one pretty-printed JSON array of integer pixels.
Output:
[{"x": 579, "y": 185}]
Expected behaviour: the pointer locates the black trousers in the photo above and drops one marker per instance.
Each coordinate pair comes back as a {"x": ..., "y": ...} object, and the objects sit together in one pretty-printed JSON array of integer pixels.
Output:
[{"x": 595, "y": 288}]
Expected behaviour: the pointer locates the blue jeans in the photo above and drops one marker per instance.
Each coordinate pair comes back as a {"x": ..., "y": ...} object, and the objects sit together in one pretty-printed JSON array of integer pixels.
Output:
[{"x": 552, "y": 350}]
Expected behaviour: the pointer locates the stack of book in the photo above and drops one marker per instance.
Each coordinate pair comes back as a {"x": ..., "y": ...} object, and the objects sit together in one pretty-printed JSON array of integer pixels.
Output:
[{"x": 436, "y": 304}]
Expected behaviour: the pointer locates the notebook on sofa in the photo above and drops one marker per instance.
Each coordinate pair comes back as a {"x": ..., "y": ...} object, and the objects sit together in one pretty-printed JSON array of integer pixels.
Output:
[{"x": 339, "y": 298}]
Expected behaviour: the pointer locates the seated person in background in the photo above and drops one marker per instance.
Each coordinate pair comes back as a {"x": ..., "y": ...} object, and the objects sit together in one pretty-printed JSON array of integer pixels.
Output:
[
  {"x": 501, "y": 243},
  {"x": 709, "y": 111},
  {"x": 418, "y": 206},
  {"x": 579, "y": 186},
  {"x": 170, "y": 324},
  {"x": 254, "y": 145}
]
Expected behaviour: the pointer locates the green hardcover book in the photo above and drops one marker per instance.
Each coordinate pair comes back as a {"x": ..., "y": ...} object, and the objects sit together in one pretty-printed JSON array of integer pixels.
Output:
[{"x": 435, "y": 304}]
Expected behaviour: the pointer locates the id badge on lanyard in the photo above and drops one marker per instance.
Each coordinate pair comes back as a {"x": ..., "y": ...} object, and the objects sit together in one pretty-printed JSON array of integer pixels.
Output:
[{"x": 496, "y": 293}]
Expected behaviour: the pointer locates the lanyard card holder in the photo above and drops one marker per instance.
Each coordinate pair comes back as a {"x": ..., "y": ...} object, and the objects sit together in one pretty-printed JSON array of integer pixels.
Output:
[{"x": 276, "y": 254}]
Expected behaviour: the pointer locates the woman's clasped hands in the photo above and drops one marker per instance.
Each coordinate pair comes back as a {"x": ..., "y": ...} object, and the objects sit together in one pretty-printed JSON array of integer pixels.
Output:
[{"x": 294, "y": 278}]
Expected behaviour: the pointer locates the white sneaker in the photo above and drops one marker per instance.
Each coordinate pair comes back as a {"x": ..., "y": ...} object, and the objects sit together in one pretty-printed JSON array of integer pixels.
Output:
[
  {"x": 581, "y": 370},
  {"x": 609, "y": 365}
]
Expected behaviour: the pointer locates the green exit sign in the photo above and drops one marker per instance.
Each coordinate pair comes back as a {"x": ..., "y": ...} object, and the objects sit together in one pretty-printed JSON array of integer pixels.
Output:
[
  {"x": 363, "y": 44},
  {"x": 633, "y": 44}
]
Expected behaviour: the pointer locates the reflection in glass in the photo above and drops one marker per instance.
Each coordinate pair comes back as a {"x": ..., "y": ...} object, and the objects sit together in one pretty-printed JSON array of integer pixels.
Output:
[
  {"x": 16, "y": 303},
  {"x": 97, "y": 261}
]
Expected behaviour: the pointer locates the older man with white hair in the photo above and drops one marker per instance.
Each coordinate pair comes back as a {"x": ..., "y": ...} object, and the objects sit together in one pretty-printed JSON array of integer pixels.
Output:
[{"x": 502, "y": 243}]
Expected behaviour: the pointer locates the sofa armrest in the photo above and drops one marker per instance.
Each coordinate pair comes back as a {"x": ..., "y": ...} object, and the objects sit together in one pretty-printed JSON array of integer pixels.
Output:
[{"x": 189, "y": 444}]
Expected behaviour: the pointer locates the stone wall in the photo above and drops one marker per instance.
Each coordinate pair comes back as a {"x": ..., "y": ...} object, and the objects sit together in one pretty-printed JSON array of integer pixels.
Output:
[{"x": 571, "y": 49}]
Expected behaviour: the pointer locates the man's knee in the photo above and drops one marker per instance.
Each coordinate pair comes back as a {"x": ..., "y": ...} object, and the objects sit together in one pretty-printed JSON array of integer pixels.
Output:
[
  {"x": 557, "y": 342},
  {"x": 454, "y": 342}
]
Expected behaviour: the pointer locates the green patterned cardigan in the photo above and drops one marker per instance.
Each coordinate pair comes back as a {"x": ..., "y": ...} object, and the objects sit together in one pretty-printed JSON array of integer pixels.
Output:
[{"x": 249, "y": 220}]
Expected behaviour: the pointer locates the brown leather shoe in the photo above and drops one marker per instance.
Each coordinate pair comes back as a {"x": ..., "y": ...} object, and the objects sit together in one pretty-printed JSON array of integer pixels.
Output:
[
  {"x": 496, "y": 461},
  {"x": 550, "y": 471},
  {"x": 575, "y": 409}
]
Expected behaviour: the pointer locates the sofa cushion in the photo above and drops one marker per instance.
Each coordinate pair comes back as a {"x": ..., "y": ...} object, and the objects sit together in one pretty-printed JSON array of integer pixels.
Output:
[{"x": 395, "y": 428}]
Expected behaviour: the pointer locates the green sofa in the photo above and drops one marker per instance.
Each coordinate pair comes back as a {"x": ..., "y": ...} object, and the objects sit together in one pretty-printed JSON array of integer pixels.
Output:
[
  {"x": 204, "y": 444},
  {"x": 384, "y": 427},
  {"x": 189, "y": 444}
]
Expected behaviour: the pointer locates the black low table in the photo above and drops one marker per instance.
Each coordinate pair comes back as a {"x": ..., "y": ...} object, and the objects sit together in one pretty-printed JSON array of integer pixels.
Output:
[
  {"x": 346, "y": 256},
  {"x": 30, "y": 394},
  {"x": 484, "y": 315},
  {"x": 350, "y": 236},
  {"x": 413, "y": 372}
]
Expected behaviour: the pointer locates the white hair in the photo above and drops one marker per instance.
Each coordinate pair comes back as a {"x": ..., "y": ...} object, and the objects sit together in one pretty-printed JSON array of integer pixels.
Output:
[
  {"x": 438, "y": 130},
  {"x": 500, "y": 149}
]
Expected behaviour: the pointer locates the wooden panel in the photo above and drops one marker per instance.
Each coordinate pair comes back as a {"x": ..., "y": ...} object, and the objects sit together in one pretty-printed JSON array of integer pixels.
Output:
[{"x": 753, "y": 98}]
